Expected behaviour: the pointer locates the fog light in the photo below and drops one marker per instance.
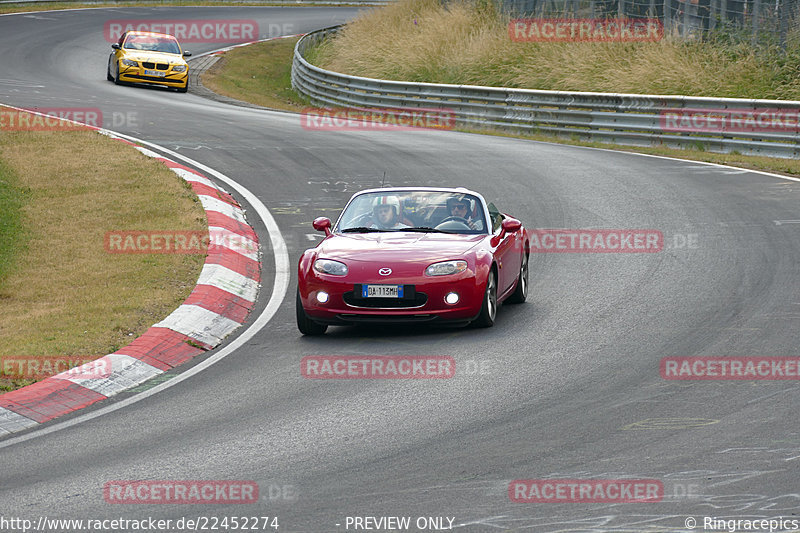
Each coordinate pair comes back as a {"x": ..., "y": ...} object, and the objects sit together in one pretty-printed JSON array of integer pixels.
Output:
[
  {"x": 451, "y": 298},
  {"x": 322, "y": 297}
]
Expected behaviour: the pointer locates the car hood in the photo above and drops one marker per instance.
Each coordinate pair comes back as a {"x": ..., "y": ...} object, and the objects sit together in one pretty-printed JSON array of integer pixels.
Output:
[
  {"x": 155, "y": 57},
  {"x": 399, "y": 246}
]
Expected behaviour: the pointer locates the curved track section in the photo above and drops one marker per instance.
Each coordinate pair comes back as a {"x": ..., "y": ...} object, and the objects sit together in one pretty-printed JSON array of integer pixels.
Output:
[{"x": 565, "y": 386}]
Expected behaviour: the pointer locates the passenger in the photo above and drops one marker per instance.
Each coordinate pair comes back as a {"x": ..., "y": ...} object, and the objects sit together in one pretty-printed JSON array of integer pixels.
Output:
[{"x": 386, "y": 213}]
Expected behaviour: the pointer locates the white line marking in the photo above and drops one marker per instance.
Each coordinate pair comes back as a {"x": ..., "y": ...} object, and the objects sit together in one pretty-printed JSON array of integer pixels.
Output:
[
  {"x": 625, "y": 151},
  {"x": 279, "y": 288},
  {"x": 122, "y": 372},
  {"x": 229, "y": 281}
]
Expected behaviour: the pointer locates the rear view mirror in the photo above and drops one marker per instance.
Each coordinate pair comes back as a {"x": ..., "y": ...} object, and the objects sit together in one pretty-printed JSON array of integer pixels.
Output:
[
  {"x": 186, "y": 53},
  {"x": 115, "y": 46}
]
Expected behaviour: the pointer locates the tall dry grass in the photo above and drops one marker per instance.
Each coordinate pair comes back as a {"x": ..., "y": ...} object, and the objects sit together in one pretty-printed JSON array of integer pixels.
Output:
[{"x": 467, "y": 43}]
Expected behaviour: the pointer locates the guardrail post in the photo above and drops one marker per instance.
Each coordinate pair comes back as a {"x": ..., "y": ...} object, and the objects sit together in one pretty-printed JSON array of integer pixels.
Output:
[{"x": 756, "y": 11}]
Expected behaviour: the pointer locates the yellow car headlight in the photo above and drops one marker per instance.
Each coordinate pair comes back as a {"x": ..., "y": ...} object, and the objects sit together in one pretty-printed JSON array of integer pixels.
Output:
[
  {"x": 129, "y": 63},
  {"x": 179, "y": 68}
]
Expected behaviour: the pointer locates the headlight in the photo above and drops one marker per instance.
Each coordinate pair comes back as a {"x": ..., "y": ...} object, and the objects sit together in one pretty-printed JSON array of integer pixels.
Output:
[
  {"x": 129, "y": 63},
  {"x": 179, "y": 68},
  {"x": 327, "y": 266},
  {"x": 446, "y": 268}
]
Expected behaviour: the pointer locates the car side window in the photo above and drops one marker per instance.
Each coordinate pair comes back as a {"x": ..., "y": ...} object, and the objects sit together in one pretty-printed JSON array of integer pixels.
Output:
[{"x": 497, "y": 218}]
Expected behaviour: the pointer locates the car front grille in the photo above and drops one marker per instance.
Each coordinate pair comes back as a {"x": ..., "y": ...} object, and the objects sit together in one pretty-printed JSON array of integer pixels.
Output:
[
  {"x": 157, "y": 66},
  {"x": 353, "y": 318},
  {"x": 147, "y": 64},
  {"x": 151, "y": 78},
  {"x": 419, "y": 299}
]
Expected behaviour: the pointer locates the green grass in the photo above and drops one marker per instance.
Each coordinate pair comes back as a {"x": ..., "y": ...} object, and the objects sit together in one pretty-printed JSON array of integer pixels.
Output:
[
  {"x": 12, "y": 228},
  {"x": 259, "y": 74}
]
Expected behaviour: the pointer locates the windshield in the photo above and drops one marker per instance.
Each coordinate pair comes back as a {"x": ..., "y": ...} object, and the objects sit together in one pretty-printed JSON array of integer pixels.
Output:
[
  {"x": 152, "y": 43},
  {"x": 424, "y": 211}
]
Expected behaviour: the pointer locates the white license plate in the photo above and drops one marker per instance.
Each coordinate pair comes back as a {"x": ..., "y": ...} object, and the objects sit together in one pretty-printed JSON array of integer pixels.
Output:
[
  {"x": 381, "y": 291},
  {"x": 155, "y": 73}
]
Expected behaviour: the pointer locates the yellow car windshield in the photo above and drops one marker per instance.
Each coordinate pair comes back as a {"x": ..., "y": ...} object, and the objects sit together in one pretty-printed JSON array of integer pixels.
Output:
[{"x": 149, "y": 43}]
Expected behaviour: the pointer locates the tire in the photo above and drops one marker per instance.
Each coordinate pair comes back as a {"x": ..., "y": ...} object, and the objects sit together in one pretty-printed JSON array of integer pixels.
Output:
[
  {"x": 520, "y": 294},
  {"x": 184, "y": 89},
  {"x": 489, "y": 306},
  {"x": 116, "y": 79},
  {"x": 109, "y": 77},
  {"x": 305, "y": 324}
]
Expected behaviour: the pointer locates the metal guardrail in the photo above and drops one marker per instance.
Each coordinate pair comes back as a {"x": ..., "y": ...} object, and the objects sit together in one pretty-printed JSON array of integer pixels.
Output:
[{"x": 626, "y": 119}]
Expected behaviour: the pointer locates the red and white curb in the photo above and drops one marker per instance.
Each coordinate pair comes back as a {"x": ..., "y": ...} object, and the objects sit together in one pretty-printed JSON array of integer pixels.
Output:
[{"x": 220, "y": 302}]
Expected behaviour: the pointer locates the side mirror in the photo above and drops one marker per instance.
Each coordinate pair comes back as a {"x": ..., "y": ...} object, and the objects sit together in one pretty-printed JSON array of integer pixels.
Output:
[
  {"x": 322, "y": 224},
  {"x": 510, "y": 225},
  {"x": 186, "y": 53},
  {"x": 115, "y": 46}
]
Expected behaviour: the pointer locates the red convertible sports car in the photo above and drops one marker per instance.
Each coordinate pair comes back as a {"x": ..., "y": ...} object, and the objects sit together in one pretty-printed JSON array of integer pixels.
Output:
[{"x": 412, "y": 255}]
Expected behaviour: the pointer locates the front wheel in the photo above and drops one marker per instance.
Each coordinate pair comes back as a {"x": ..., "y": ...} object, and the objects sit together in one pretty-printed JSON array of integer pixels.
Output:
[
  {"x": 489, "y": 307},
  {"x": 184, "y": 89},
  {"x": 116, "y": 79},
  {"x": 304, "y": 323}
]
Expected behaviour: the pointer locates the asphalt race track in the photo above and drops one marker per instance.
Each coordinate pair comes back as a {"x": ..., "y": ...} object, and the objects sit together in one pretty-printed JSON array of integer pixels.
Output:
[{"x": 564, "y": 386}]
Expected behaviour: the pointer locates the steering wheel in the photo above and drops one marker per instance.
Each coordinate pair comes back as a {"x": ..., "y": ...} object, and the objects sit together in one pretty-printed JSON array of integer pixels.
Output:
[
  {"x": 460, "y": 220},
  {"x": 457, "y": 219}
]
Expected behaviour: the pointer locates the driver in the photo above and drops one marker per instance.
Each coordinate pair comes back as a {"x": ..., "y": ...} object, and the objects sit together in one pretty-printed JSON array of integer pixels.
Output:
[
  {"x": 460, "y": 207},
  {"x": 386, "y": 213}
]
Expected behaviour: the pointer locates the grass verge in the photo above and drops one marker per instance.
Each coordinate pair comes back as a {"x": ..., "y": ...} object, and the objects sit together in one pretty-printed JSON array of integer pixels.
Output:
[
  {"x": 61, "y": 293},
  {"x": 12, "y": 231},
  {"x": 259, "y": 74},
  {"x": 469, "y": 43}
]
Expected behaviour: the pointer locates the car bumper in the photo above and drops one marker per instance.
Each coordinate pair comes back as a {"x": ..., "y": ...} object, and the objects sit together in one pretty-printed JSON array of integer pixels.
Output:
[
  {"x": 344, "y": 306},
  {"x": 172, "y": 79}
]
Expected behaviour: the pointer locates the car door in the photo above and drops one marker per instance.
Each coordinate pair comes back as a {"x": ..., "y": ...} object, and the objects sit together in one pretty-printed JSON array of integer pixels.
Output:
[
  {"x": 506, "y": 252},
  {"x": 115, "y": 55}
]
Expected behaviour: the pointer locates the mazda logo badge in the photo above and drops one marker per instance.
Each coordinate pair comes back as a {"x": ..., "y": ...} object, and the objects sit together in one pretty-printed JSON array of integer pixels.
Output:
[{"x": 385, "y": 271}]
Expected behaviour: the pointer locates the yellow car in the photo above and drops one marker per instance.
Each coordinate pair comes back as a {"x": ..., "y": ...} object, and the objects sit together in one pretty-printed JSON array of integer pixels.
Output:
[{"x": 146, "y": 57}]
